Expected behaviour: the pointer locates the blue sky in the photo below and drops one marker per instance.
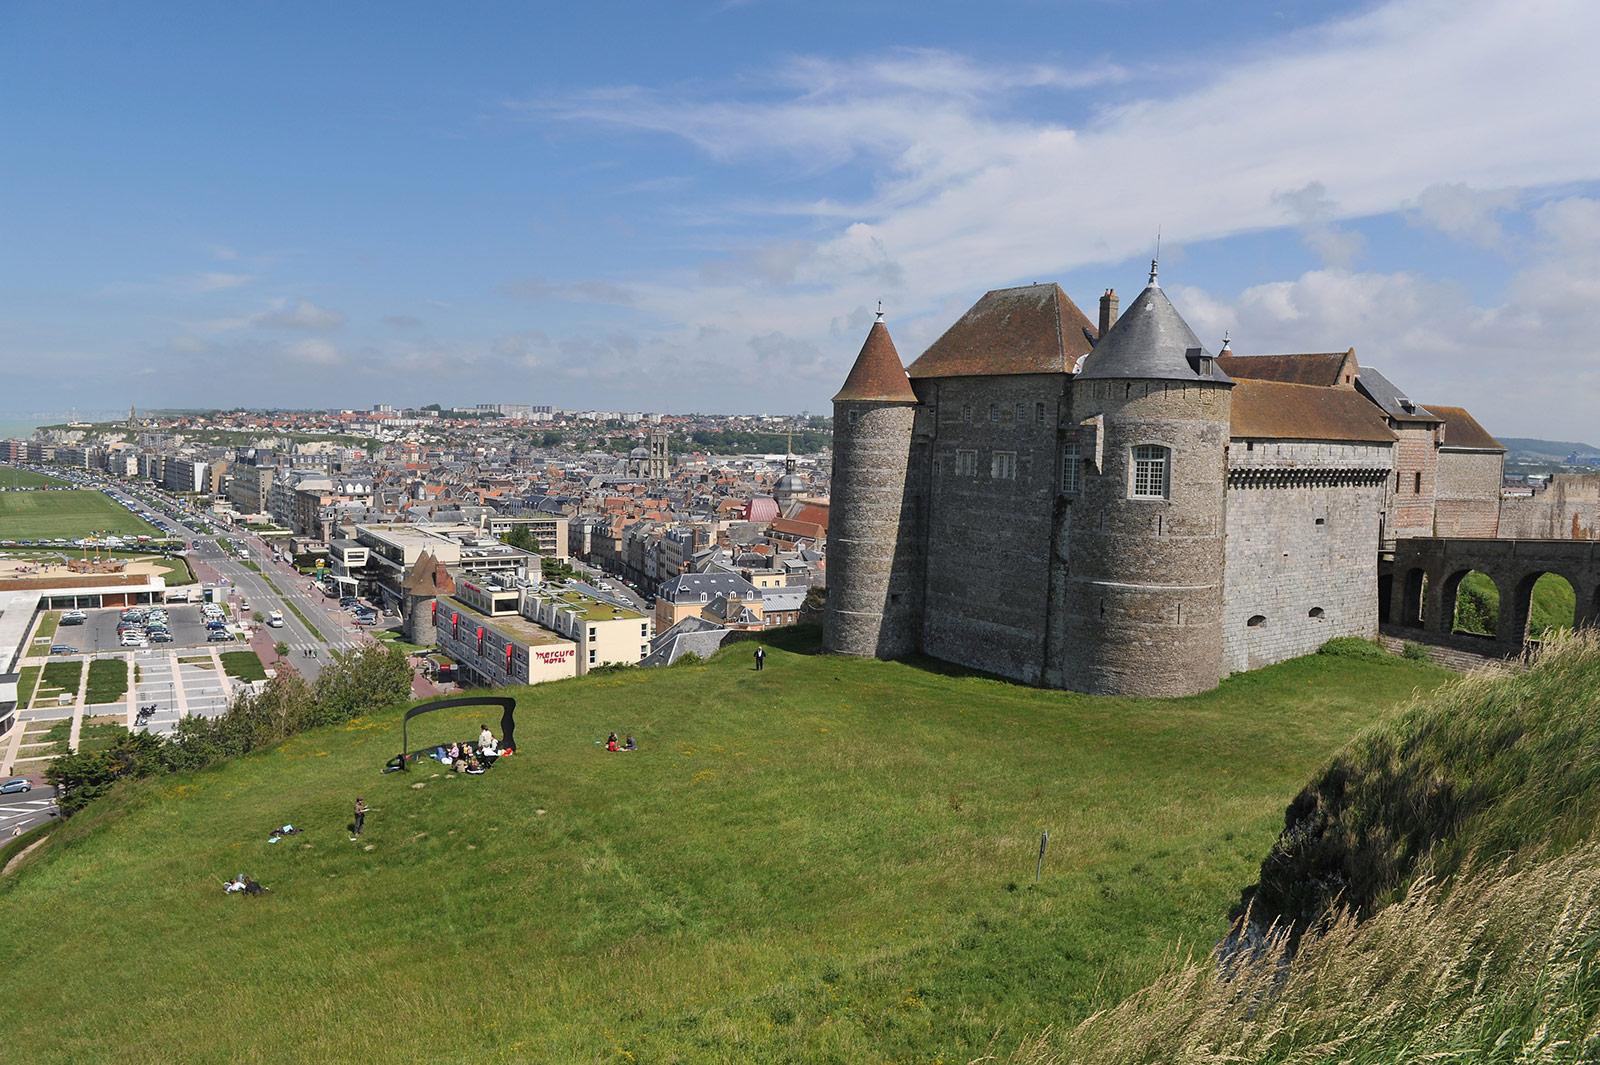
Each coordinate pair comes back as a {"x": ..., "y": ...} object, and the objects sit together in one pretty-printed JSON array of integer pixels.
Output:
[{"x": 695, "y": 206}]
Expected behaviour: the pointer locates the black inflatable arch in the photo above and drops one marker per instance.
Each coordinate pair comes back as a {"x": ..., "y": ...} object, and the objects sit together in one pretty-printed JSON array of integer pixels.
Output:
[{"x": 508, "y": 722}]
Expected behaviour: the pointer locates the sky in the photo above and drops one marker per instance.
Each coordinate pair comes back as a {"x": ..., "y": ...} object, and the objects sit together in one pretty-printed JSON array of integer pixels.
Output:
[{"x": 696, "y": 206}]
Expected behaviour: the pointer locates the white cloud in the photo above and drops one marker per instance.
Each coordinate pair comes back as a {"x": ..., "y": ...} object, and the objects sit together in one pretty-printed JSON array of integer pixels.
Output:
[
  {"x": 216, "y": 281},
  {"x": 1466, "y": 213},
  {"x": 302, "y": 314},
  {"x": 315, "y": 351},
  {"x": 1388, "y": 111}
]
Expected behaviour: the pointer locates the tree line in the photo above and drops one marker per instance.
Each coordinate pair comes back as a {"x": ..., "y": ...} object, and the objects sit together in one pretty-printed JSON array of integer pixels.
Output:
[{"x": 352, "y": 685}]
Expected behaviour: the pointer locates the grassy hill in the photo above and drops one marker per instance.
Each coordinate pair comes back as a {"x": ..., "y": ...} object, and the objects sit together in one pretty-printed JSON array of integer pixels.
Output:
[
  {"x": 831, "y": 860},
  {"x": 1447, "y": 866}
]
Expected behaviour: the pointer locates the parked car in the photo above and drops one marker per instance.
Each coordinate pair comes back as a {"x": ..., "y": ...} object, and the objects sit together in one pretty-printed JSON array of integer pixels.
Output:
[
  {"x": 366, "y": 619},
  {"x": 74, "y": 617},
  {"x": 62, "y": 649},
  {"x": 16, "y": 784},
  {"x": 161, "y": 636},
  {"x": 219, "y": 636}
]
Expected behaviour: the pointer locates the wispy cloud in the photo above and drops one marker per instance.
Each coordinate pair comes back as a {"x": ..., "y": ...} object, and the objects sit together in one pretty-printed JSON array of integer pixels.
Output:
[{"x": 301, "y": 314}]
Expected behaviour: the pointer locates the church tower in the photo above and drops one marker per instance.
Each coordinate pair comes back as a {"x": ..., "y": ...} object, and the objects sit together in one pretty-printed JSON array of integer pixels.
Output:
[
  {"x": 874, "y": 583},
  {"x": 659, "y": 458},
  {"x": 1139, "y": 557}
]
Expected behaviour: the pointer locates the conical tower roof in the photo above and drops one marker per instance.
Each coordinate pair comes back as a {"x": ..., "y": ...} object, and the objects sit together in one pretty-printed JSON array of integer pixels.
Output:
[
  {"x": 878, "y": 374},
  {"x": 1151, "y": 341}
]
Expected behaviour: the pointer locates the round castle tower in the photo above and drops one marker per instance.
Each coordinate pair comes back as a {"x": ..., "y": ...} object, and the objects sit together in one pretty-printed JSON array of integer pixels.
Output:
[
  {"x": 1144, "y": 562},
  {"x": 871, "y": 584}
]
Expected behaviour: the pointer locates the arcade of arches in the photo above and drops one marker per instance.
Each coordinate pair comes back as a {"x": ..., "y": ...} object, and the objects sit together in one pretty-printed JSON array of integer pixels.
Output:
[{"x": 1504, "y": 592}]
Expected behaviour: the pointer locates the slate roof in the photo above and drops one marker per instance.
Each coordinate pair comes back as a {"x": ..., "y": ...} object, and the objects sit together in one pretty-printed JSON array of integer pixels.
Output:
[
  {"x": 1272, "y": 410},
  {"x": 1462, "y": 431},
  {"x": 1315, "y": 368},
  {"x": 690, "y": 586},
  {"x": 1388, "y": 397},
  {"x": 877, "y": 374},
  {"x": 1151, "y": 341},
  {"x": 1031, "y": 329}
]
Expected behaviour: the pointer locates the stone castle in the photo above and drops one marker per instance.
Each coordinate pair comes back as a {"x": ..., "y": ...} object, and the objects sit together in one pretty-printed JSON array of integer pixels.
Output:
[{"x": 1110, "y": 508}]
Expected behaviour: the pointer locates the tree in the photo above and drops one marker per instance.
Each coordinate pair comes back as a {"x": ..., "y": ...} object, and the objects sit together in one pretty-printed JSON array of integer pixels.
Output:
[
  {"x": 361, "y": 682},
  {"x": 280, "y": 648},
  {"x": 520, "y": 538}
]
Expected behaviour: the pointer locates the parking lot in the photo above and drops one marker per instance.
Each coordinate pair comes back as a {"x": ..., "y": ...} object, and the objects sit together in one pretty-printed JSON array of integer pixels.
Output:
[{"x": 99, "y": 632}]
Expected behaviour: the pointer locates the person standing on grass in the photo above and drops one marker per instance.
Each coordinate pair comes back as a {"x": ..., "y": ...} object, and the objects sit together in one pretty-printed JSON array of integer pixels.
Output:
[
  {"x": 361, "y": 816},
  {"x": 761, "y": 657}
]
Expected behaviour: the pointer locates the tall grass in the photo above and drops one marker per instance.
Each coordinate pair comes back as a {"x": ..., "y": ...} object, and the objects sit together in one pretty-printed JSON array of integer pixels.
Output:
[{"x": 1466, "y": 924}]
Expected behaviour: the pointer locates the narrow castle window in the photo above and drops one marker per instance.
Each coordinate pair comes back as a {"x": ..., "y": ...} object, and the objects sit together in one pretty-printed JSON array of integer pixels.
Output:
[
  {"x": 1004, "y": 466},
  {"x": 1038, "y": 413},
  {"x": 966, "y": 463},
  {"x": 1021, "y": 415},
  {"x": 854, "y": 417},
  {"x": 994, "y": 412},
  {"x": 1150, "y": 472},
  {"x": 1416, "y": 485},
  {"x": 1070, "y": 461},
  {"x": 966, "y": 416},
  {"x": 1322, "y": 521}
]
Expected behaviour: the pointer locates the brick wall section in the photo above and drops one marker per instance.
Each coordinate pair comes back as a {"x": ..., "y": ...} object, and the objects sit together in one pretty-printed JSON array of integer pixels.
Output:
[
  {"x": 1138, "y": 583},
  {"x": 988, "y": 537},
  {"x": 1302, "y": 547},
  {"x": 1467, "y": 499},
  {"x": 1457, "y": 655},
  {"x": 1408, "y": 508}
]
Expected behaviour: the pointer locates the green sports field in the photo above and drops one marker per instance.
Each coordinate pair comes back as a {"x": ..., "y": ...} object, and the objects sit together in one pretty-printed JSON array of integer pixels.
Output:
[
  {"x": 11, "y": 477},
  {"x": 831, "y": 860},
  {"x": 65, "y": 515}
]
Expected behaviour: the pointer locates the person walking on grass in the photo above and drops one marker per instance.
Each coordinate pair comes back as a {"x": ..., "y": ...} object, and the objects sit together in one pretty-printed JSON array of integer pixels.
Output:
[
  {"x": 761, "y": 657},
  {"x": 361, "y": 817}
]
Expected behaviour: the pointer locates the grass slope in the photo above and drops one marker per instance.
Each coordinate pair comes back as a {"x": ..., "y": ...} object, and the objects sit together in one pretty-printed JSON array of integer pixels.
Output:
[
  {"x": 828, "y": 861},
  {"x": 65, "y": 515},
  {"x": 1466, "y": 834},
  {"x": 12, "y": 477}
]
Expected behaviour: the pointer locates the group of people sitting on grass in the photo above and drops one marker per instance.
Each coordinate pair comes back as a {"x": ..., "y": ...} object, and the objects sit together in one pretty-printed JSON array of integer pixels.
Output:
[
  {"x": 464, "y": 758},
  {"x": 245, "y": 884},
  {"x": 626, "y": 745}
]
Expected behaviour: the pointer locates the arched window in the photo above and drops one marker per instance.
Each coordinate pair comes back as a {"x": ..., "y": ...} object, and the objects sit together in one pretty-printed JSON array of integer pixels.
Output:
[
  {"x": 1315, "y": 613},
  {"x": 1257, "y": 621},
  {"x": 1150, "y": 471}
]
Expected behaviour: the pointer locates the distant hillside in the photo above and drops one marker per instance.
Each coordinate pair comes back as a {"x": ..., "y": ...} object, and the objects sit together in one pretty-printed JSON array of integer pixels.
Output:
[
  {"x": 1445, "y": 871},
  {"x": 1527, "y": 449}
]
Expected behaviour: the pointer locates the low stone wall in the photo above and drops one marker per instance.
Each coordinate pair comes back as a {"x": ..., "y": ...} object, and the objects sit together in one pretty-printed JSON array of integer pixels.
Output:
[{"x": 1463, "y": 654}]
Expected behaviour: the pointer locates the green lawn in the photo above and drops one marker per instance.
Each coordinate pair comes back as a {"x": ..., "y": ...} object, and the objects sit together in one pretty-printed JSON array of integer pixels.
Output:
[
  {"x": 829, "y": 861},
  {"x": 11, "y": 477},
  {"x": 1552, "y": 606},
  {"x": 63, "y": 676},
  {"x": 68, "y": 515},
  {"x": 49, "y": 622},
  {"x": 108, "y": 680},
  {"x": 26, "y": 682},
  {"x": 246, "y": 665}
]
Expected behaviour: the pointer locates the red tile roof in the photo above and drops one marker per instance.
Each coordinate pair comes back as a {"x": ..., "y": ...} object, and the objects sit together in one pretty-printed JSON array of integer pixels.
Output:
[
  {"x": 1272, "y": 410},
  {"x": 878, "y": 373},
  {"x": 1031, "y": 329}
]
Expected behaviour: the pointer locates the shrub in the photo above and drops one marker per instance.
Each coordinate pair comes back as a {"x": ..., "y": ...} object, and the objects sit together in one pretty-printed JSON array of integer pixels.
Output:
[
  {"x": 1414, "y": 651},
  {"x": 1352, "y": 647}
]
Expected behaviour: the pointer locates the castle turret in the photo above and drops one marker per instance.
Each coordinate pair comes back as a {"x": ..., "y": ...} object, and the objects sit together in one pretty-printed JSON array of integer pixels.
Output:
[
  {"x": 428, "y": 579},
  {"x": 1144, "y": 488},
  {"x": 873, "y": 583}
]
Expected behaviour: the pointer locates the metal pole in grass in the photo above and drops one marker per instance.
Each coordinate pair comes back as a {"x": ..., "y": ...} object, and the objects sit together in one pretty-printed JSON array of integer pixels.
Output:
[{"x": 1044, "y": 839}]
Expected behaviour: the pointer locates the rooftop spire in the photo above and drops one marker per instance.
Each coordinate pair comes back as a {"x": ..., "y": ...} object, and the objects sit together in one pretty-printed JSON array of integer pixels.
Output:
[
  {"x": 1154, "y": 266},
  {"x": 880, "y": 311},
  {"x": 1227, "y": 343}
]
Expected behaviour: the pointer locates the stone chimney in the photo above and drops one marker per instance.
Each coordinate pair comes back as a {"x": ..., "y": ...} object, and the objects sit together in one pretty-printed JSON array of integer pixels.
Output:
[{"x": 1108, "y": 311}]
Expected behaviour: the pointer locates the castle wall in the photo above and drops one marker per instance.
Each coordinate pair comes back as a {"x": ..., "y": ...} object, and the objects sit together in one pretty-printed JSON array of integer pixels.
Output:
[
  {"x": 1139, "y": 581},
  {"x": 1467, "y": 500},
  {"x": 874, "y": 542},
  {"x": 1568, "y": 509},
  {"x": 1302, "y": 547},
  {"x": 988, "y": 534}
]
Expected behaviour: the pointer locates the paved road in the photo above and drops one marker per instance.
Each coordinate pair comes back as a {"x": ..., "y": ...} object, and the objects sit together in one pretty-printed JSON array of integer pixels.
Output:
[{"x": 26, "y": 810}]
